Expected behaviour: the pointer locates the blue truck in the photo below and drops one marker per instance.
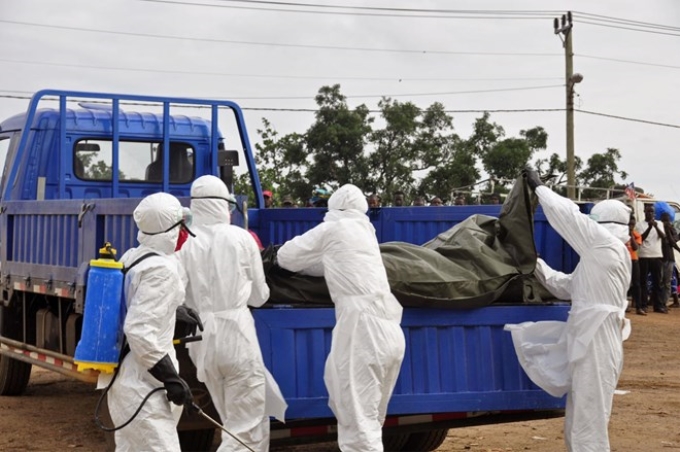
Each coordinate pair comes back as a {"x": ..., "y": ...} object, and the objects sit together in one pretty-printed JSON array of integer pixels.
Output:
[{"x": 73, "y": 174}]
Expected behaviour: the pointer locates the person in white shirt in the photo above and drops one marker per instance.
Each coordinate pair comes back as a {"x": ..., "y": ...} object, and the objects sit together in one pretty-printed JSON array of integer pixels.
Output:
[{"x": 650, "y": 254}]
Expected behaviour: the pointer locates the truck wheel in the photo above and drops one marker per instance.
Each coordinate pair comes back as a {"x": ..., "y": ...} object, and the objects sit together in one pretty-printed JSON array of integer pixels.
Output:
[
  {"x": 14, "y": 376},
  {"x": 196, "y": 440},
  {"x": 425, "y": 441},
  {"x": 395, "y": 443}
]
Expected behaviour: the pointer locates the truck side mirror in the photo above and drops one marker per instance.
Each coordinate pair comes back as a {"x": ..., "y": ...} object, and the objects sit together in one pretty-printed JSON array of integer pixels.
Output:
[{"x": 226, "y": 161}]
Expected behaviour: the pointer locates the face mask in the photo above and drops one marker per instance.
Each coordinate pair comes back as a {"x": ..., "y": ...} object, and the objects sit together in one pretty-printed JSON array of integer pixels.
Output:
[{"x": 183, "y": 236}]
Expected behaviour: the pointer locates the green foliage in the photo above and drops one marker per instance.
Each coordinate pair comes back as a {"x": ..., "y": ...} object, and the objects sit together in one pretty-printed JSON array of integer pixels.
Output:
[
  {"x": 457, "y": 171},
  {"x": 412, "y": 140},
  {"x": 485, "y": 134},
  {"x": 504, "y": 158},
  {"x": 97, "y": 170},
  {"x": 416, "y": 151},
  {"x": 601, "y": 172},
  {"x": 336, "y": 141}
]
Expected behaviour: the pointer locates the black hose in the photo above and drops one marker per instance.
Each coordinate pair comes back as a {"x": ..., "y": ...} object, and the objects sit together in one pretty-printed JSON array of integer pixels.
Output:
[{"x": 99, "y": 422}]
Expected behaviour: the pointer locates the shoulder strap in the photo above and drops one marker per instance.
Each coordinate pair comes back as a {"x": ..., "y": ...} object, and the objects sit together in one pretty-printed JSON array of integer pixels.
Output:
[{"x": 138, "y": 260}]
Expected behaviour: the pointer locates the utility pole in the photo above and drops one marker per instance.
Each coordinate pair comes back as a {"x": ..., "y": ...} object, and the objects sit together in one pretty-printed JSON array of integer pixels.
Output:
[{"x": 563, "y": 28}]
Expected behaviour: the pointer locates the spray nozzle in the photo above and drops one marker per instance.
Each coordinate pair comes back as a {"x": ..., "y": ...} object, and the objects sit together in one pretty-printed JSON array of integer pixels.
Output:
[{"x": 107, "y": 252}]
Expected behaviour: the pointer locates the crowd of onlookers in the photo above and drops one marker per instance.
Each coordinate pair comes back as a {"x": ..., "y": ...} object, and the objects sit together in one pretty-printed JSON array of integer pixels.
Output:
[{"x": 320, "y": 199}]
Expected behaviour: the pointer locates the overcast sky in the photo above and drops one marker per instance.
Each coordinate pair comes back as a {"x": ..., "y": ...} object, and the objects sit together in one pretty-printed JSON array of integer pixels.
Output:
[{"x": 275, "y": 58}]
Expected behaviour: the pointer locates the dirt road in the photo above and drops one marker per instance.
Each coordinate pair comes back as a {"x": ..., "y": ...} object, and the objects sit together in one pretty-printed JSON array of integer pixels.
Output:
[{"x": 56, "y": 414}]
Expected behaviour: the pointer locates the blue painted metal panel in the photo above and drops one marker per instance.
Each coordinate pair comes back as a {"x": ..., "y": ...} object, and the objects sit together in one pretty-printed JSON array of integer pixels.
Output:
[
  {"x": 418, "y": 225},
  {"x": 456, "y": 360},
  {"x": 275, "y": 226},
  {"x": 43, "y": 233}
]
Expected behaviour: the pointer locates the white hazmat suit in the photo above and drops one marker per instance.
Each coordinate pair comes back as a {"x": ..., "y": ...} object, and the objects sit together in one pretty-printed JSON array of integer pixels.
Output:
[
  {"x": 225, "y": 276},
  {"x": 584, "y": 356},
  {"x": 367, "y": 346},
  {"x": 153, "y": 290}
]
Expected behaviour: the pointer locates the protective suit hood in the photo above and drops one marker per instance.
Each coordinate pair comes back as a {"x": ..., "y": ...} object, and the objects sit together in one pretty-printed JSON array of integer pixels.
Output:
[
  {"x": 614, "y": 216},
  {"x": 158, "y": 219},
  {"x": 348, "y": 197},
  {"x": 211, "y": 201},
  {"x": 347, "y": 202}
]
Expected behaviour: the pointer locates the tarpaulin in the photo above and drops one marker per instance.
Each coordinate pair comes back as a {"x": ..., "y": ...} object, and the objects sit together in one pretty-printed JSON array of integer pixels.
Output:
[{"x": 479, "y": 261}]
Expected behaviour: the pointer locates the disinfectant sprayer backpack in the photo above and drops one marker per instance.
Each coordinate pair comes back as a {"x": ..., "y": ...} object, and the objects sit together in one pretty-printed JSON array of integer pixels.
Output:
[{"x": 102, "y": 335}]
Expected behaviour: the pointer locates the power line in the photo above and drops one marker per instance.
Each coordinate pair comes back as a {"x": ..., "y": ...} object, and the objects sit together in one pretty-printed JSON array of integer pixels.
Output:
[
  {"x": 327, "y": 47},
  {"x": 625, "y": 118},
  {"x": 277, "y": 44},
  {"x": 587, "y": 18},
  {"x": 617, "y": 20},
  {"x": 492, "y": 110},
  {"x": 281, "y": 76},
  {"x": 625, "y": 22},
  {"x": 392, "y": 9},
  {"x": 628, "y": 28},
  {"x": 273, "y": 109},
  {"x": 310, "y": 110},
  {"x": 492, "y": 90},
  {"x": 618, "y": 60},
  {"x": 376, "y": 12},
  {"x": 368, "y": 96}
]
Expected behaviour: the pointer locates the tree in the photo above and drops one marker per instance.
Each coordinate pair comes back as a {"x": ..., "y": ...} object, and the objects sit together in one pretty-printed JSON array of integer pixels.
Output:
[
  {"x": 417, "y": 151},
  {"x": 504, "y": 158},
  {"x": 558, "y": 169},
  {"x": 601, "y": 172},
  {"x": 97, "y": 170},
  {"x": 484, "y": 135},
  {"x": 459, "y": 170},
  {"x": 412, "y": 141},
  {"x": 281, "y": 162},
  {"x": 336, "y": 141},
  {"x": 394, "y": 148}
]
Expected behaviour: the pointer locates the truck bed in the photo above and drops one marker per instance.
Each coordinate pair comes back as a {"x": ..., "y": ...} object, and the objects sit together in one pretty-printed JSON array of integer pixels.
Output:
[{"x": 455, "y": 361}]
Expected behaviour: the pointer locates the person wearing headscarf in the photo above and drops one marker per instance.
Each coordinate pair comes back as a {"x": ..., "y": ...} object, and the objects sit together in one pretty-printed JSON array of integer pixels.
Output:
[
  {"x": 367, "y": 345},
  {"x": 583, "y": 356},
  {"x": 153, "y": 293},
  {"x": 225, "y": 277}
]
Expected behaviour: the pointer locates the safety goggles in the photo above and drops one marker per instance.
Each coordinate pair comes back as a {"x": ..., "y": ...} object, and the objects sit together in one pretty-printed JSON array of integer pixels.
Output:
[
  {"x": 233, "y": 205},
  {"x": 185, "y": 219}
]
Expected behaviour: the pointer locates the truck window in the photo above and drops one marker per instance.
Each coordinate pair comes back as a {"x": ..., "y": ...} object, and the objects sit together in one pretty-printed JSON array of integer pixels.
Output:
[
  {"x": 4, "y": 147},
  {"x": 139, "y": 161},
  {"x": 181, "y": 163},
  {"x": 8, "y": 143}
]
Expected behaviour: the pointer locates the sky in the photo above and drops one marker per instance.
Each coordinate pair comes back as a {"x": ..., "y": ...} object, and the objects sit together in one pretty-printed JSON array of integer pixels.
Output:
[{"x": 268, "y": 56}]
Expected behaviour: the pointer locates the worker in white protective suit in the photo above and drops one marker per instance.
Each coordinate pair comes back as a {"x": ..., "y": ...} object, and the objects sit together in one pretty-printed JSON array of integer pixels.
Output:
[
  {"x": 153, "y": 291},
  {"x": 225, "y": 277},
  {"x": 367, "y": 345},
  {"x": 583, "y": 356}
]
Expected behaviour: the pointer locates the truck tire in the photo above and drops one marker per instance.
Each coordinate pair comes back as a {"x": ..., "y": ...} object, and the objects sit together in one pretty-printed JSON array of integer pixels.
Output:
[
  {"x": 14, "y": 376},
  {"x": 395, "y": 443},
  {"x": 425, "y": 441},
  {"x": 196, "y": 440}
]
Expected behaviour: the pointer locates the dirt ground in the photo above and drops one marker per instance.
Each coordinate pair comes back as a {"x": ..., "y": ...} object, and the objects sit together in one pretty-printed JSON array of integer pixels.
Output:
[{"x": 56, "y": 413}]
